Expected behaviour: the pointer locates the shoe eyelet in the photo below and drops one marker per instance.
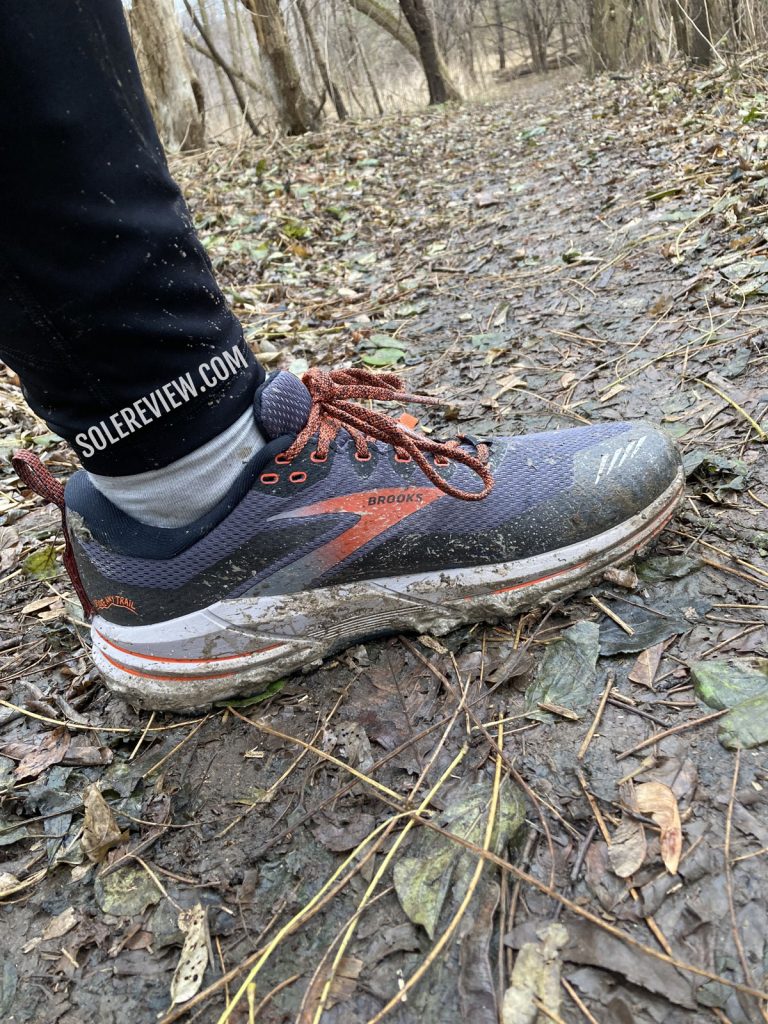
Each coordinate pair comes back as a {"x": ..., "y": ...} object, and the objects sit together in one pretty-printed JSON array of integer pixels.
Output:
[
  {"x": 314, "y": 457},
  {"x": 441, "y": 461},
  {"x": 402, "y": 457},
  {"x": 298, "y": 477},
  {"x": 281, "y": 460},
  {"x": 269, "y": 478},
  {"x": 363, "y": 458}
]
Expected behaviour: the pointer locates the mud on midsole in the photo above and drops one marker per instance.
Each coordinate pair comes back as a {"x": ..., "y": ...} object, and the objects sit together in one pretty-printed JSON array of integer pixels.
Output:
[{"x": 249, "y": 637}]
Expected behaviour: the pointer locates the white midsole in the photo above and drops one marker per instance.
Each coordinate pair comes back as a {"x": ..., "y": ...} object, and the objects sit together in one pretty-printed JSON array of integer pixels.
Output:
[{"x": 233, "y": 645}]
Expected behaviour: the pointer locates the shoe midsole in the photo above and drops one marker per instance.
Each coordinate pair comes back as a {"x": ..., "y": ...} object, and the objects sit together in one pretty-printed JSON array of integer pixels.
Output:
[{"x": 247, "y": 635}]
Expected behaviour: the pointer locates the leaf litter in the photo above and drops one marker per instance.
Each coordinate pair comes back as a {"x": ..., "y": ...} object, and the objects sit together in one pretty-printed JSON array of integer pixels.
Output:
[{"x": 611, "y": 268}]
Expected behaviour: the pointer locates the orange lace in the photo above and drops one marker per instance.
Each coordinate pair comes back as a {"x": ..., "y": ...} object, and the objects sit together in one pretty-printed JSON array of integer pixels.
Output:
[{"x": 333, "y": 409}]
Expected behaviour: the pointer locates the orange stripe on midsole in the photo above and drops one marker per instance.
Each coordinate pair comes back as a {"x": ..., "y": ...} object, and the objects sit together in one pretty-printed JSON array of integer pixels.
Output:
[
  {"x": 183, "y": 661},
  {"x": 540, "y": 579},
  {"x": 165, "y": 679},
  {"x": 579, "y": 565}
]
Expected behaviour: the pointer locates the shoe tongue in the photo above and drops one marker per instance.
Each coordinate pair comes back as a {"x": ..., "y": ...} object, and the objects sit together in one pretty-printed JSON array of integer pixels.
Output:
[{"x": 282, "y": 405}]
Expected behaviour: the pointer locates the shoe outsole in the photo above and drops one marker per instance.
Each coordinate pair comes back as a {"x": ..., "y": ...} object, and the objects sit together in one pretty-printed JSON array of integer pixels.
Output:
[{"x": 234, "y": 648}]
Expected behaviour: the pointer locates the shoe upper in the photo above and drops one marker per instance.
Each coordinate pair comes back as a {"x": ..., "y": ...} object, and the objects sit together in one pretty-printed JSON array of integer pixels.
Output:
[{"x": 314, "y": 521}]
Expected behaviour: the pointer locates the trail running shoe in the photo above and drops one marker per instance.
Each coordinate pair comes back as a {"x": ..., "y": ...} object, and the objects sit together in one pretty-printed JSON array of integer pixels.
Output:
[{"x": 346, "y": 525}]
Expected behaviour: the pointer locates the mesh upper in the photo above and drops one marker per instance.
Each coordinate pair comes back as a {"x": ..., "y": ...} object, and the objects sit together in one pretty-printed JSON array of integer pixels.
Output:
[
  {"x": 284, "y": 405},
  {"x": 528, "y": 471}
]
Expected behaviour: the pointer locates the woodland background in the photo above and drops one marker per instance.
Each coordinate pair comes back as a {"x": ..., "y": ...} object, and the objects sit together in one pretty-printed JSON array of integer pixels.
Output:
[{"x": 217, "y": 68}]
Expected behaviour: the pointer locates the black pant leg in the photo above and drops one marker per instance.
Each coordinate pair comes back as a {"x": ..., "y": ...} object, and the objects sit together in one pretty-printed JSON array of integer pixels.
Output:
[{"x": 109, "y": 311}]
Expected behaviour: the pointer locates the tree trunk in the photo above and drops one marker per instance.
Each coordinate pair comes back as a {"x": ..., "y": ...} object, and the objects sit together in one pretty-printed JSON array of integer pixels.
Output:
[
  {"x": 501, "y": 48},
  {"x": 680, "y": 23},
  {"x": 700, "y": 37},
  {"x": 322, "y": 66},
  {"x": 173, "y": 90},
  {"x": 418, "y": 17},
  {"x": 213, "y": 54},
  {"x": 293, "y": 107},
  {"x": 608, "y": 31},
  {"x": 400, "y": 31}
]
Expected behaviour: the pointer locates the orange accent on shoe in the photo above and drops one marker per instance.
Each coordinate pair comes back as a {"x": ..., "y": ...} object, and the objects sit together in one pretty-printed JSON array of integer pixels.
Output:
[
  {"x": 334, "y": 409},
  {"x": 376, "y": 510},
  {"x": 540, "y": 579},
  {"x": 269, "y": 478},
  {"x": 185, "y": 661},
  {"x": 114, "y": 601},
  {"x": 165, "y": 679},
  {"x": 298, "y": 477}
]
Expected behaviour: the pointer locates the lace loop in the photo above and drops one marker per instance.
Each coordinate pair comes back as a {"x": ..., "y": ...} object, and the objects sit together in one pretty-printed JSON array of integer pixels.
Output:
[{"x": 334, "y": 408}]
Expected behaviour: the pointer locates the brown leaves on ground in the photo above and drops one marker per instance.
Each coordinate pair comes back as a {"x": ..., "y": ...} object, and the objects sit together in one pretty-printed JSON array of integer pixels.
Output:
[
  {"x": 188, "y": 976},
  {"x": 660, "y": 803},
  {"x": 100, "y": 830},
  {"x": 628, "y": 848},
  {"x": 52, "y": 749}
]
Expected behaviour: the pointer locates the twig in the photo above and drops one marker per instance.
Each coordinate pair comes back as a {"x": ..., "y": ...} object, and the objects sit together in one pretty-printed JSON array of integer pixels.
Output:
[
  {"x": 612, "y": 615},
  {"x": 732, "y": 402},
  {"x": 598, "y": 715},
  {"x": 670, "y": 732},
  {"x": 457, "y": 917}
]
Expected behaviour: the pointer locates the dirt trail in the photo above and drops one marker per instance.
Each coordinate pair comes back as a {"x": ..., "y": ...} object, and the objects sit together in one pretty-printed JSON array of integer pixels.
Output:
[{"x": 571, "y": 254}]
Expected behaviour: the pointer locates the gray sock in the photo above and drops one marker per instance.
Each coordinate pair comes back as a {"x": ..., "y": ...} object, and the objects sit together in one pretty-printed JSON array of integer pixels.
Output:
[{"x": 188, "y": 488}]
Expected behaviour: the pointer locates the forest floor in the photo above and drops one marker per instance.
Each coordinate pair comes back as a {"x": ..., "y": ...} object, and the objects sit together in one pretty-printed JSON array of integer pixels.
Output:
[{"x": 574, "y": 253}]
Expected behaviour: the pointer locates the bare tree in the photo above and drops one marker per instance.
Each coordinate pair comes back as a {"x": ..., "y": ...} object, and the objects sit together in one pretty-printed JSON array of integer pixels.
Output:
[
  {"x": 174, "y": 93},
  {"x": 418, "y": 16},
  {"x": 211, "y": 51},
  {"x": 700, "y": 36},
  {"x": 293, "y": 107},
  {"x": 322, "y": 64},
  {"x": 400, "y": 30}
]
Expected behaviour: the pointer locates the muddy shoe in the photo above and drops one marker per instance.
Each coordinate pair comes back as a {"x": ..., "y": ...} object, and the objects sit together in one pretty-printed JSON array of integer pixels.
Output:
[{"x": 346, "y": 525}]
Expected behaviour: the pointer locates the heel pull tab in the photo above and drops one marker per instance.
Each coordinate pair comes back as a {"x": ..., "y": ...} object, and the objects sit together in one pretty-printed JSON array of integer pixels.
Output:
[{"x": 34, "y": 475}]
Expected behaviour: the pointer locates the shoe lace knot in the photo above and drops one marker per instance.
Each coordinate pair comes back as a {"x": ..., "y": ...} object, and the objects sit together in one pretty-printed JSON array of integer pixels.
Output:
[{"x": 335, "y": 396}]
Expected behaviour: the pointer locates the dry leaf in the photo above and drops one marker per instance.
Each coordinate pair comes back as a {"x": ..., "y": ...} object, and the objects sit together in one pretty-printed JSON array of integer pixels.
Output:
[
  {"x": 658, "y": 801},
  {"x": 628, "y": 848},
  {"x": 345, "y": 980},
  {"x": 8, "y": 883},
  {"x": 193, "y": 959},
  {"x": 100, "y": 830},
  {"x": 60, "y": 925},
  {"x": 647, "y": 665},
  {"x": 51, "y": 750},
  {"x": 626, "y": 578}
]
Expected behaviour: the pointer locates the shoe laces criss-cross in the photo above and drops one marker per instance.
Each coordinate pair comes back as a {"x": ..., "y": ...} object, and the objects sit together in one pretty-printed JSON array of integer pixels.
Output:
[{"x": 349, "y": 524}]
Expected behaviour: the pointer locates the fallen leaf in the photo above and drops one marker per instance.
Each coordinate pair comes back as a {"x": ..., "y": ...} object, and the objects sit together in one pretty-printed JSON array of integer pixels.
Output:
[
  {"x": 51, "y": 750},
  {"x": 38, "y": 604},
  {"x": 746, "y": 725},
  {"x": 628, "y": 848},
  {"x": 724, "y": 683},
  {"x": 193, "y": 959},
  {"x": 647, "y": 665},
  {"x": 126, "y": 893},
  {"x": 345, "y": 980},
  {"x": 589, "y": 944},
  {"x": 100, "y": 830},
  {"x": 423, "y": 880},
  {"x": 41, "y": 564},
  {"x": 60, "y": 925},
  {"x": 8, "y": 883},
  {"x": 566, "y": 674},
  {"x": 658, "y": 801},
  {"x": 536, "y": 978}
]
